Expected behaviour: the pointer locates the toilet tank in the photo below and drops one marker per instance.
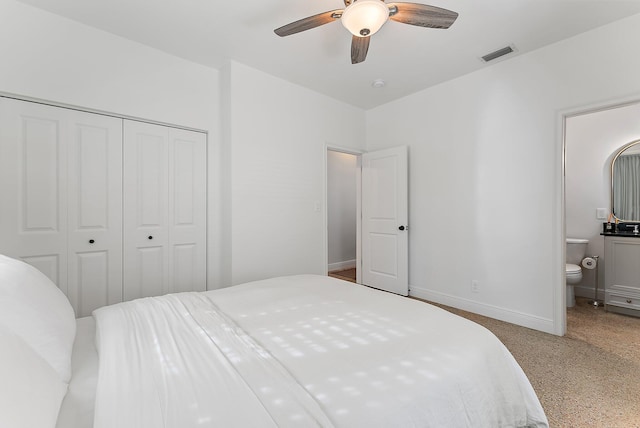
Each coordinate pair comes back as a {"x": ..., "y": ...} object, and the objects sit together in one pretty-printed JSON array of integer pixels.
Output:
[{"x": 576, "y": 250}]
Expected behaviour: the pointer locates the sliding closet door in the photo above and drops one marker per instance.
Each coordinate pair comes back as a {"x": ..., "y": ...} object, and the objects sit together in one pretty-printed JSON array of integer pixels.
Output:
[
  {"x": 146, "y": 183},
  {"x": 188, "y": 209},
  {"x": 165, "y": 210},
  {"x": 61, "y": 187},
  {"x": 33, "y": 165},
  {"x": 94, "y": 211},
  {"x": 110, "y": 210}
]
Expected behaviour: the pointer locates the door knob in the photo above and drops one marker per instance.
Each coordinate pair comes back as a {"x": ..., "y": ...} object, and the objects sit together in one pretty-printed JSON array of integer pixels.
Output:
[
  {"x": 91, "y": 241},
  {"x": 401, "y": 228}
]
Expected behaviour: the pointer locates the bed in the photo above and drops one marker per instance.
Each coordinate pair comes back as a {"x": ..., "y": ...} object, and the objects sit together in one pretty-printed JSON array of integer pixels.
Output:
[{"x": 295, "y": 351}]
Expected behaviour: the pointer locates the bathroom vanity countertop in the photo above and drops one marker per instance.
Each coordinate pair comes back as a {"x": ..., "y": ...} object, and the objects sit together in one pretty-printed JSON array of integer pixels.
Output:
[
  {"x": 622, "y": 229},
  {"x": 624, "y": 234}
]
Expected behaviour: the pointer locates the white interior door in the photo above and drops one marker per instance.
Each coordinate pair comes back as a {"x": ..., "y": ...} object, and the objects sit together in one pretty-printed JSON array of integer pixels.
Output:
[
  {"x": 384, "y": 220},
  {"x": 146, "y": 183},
  {"x": 94, "y": 211},
  {"x": 165, "y": 197},
  {"x": 33, "y": 180},
  {"x": 187, "y": 211}
]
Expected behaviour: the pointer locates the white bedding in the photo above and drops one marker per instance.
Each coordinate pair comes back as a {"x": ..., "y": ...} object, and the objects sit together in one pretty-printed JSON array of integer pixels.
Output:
[
  {"x": 303, "y": 351},
  {"x": 77, "y": 409}
]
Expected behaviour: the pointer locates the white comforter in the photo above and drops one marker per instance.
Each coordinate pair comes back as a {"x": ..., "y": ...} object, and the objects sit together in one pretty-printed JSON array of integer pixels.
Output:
[{"x": 303, "y": 351}]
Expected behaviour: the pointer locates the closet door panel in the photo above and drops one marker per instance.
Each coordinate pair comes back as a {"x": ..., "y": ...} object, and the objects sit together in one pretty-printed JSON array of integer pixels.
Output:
[
  {"x": 151, "y": 279},
  {"x": 95, "y": 212},
  {"x": 187, "y": 214},
  {"x": 42, "y": 178},
  {"x": 49, "y": 264},
  {"x": 151, "y": 168},
  {"x": 146, "y": 178},
  {"x": 184, "y": 273},
  {"x": 90, "y": 281},
  {"x": 33, "y": 163}
]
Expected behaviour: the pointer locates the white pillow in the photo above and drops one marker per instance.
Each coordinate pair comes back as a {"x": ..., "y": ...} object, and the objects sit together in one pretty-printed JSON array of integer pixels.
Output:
[
  {"x": 36, "y": 310},
  {"x": 31, "y": 391}
]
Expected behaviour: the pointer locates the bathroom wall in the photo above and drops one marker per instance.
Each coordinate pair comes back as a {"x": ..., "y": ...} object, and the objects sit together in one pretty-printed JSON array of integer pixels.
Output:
[{"x": 591, "y": 142}]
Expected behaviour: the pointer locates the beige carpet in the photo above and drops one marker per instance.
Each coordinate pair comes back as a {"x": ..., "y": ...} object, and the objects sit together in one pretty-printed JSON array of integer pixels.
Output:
[{"x": 590, "y": 377}]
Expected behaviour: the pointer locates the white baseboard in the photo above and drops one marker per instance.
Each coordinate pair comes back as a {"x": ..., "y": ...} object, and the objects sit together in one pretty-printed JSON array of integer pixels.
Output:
[
  {"x": 508, "y": 315},
  {"x": 347, "y": 264},
  {"x": 588, "y": 292}
]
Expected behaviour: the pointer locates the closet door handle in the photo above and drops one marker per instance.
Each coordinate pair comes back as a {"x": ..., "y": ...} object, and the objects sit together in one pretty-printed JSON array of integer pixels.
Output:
[
  {"x": 91, "y": 241},
  {"x": 150, "y": 237},
  {"x": 401, "y": 228}
]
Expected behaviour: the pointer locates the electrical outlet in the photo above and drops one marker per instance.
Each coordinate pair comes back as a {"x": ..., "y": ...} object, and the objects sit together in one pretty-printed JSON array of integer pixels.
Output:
[{"x": 475, "y": 286}]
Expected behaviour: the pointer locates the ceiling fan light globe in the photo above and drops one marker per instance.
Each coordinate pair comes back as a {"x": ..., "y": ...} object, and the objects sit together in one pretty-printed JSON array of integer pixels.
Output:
[{"x": 365, "y": 16}]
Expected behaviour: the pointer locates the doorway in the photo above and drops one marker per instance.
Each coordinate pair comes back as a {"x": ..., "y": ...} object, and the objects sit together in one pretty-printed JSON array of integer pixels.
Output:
[
  {"x": 591, "y": 140},
  {"x": 343, "y": 173},
  {"x": 381, "y": 206}
]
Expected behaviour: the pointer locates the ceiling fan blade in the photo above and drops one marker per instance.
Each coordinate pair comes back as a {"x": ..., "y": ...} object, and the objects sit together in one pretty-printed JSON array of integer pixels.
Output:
[
  {"x": 421, "y": 15},
  {"x": 308, "y": 23},
  {"x": 359, "y": 49}
]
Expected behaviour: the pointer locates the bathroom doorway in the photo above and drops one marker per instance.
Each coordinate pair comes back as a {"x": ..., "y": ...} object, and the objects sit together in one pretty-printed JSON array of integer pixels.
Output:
[
  {"x": 591, "y": 140},
  {"x": 343, "y": 194}
]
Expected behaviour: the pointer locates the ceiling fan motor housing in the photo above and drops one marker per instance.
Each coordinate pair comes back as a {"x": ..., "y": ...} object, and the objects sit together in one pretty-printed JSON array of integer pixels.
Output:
[{"x": 365, "y": 17}]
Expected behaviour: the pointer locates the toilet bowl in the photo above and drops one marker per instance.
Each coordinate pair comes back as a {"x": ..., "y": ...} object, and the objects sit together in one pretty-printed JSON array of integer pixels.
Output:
[
  {"x": 576, "y": 250},
  {"x": 573, "y": 274}
]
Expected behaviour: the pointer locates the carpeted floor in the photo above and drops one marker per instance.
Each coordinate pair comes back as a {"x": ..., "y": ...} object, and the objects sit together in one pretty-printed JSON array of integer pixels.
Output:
[{"x": 590, "y": 377}]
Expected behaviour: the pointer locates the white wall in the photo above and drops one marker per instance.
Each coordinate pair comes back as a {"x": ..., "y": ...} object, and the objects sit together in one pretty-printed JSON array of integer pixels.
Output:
[
  {"x": 341, "y": 209},
  {"x": 486, "y": 172},
  {"x": 275, "y": 140},
  {"x": 52, "y": 58},
  {"x": 592, "y": 140}
]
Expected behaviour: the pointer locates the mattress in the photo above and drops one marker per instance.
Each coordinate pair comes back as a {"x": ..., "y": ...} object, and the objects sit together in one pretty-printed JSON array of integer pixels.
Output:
[
  {"x": 303, "y": 351},
  {"x": 77, "y": 409}
]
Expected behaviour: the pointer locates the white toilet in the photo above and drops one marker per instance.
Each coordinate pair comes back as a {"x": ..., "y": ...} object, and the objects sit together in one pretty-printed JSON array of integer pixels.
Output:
[{"x": 576, "y": 250}]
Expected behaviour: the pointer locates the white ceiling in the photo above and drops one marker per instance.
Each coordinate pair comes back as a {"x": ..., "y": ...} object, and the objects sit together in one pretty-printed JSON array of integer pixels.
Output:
[{"x": 408, "y": 58}]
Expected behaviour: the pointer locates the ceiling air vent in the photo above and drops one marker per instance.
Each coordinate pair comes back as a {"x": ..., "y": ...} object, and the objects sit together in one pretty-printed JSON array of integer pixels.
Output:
[{"x": 497, "y": 54}]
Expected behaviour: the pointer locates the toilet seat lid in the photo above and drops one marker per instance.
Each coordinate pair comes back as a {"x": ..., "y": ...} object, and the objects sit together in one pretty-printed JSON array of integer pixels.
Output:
[{"x": 571, "y": 268}]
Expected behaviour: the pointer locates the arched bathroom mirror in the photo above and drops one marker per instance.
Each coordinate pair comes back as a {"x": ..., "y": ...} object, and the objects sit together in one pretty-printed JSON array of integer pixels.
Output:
[{"x": 625, "y": 183}]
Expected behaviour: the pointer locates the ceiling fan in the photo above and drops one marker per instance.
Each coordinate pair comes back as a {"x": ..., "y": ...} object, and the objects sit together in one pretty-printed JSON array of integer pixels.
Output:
[{"x": 363, "y": 18}]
